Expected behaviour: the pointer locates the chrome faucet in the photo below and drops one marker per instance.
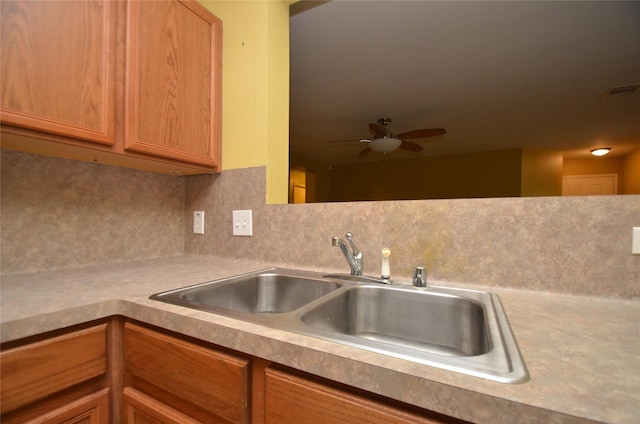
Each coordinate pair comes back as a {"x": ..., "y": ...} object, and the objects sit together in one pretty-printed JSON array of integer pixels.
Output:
[{"x": 353, "y": 255}]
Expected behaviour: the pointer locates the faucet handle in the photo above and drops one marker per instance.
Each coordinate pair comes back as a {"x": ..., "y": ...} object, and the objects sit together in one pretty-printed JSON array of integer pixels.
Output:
[
  {"x": 354, "y": 258},
  {"x": 354, "y": 250},
  {"x": 419, "y": 276}
]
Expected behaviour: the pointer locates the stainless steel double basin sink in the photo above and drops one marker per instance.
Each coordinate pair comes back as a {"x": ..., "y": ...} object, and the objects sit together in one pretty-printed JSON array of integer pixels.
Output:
[{"x": 460, "y": 330}]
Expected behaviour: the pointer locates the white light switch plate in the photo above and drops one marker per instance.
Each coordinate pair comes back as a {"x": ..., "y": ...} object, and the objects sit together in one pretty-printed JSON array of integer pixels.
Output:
[
  {"x": 242, "y": 225},
  {"x": 635, "y": 241},
  {"x": 198, "y": 222}
]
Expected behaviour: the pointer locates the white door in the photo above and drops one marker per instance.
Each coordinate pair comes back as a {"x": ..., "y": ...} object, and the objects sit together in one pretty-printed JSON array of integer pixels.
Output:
[{"x": 589, "y": 185}]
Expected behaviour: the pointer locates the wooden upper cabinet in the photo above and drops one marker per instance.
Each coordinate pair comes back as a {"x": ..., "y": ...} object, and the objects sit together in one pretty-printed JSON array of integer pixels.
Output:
[
  {"x": 58, "y": 60},
  {"x": 128, "y": 83},
  {"x": 173, "y": 78}
]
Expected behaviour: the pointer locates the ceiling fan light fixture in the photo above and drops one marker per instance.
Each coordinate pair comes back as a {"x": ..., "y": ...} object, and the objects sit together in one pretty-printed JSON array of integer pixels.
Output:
[
  {"x": 385, "y": 145},
  {"x": 601, "y": 151}
]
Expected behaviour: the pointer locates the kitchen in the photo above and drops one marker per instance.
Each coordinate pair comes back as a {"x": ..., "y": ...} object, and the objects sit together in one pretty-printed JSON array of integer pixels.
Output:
[{"x": 83, "y": 241}]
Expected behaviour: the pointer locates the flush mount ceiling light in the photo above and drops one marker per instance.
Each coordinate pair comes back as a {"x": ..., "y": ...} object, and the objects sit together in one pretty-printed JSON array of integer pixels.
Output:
[{"x": 600, "y": 151}]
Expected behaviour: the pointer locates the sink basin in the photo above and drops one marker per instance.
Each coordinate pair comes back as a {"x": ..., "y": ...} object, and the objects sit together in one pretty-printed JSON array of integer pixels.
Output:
[
  {"x": 430, "y": 322},
  {"x": 461, "y": 330},
  {"x": 261, "y": 293}
]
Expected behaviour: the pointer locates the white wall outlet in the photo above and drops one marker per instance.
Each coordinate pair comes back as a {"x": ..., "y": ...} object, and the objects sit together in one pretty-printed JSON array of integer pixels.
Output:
[
  {"x": 198, "y": 222},
  {"x": 242, "y": 223},
  {"x": 635, "y": 241}
]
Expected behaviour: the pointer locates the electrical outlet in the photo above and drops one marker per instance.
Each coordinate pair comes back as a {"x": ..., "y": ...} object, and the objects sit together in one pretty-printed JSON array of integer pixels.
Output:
[
  {"x": 635, "y": 241},
  {"x": 242, "y": 225},
  {"x": 198, "y": 222}
]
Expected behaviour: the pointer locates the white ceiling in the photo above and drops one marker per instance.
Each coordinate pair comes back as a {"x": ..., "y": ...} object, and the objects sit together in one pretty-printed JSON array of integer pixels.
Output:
[{"x": 495, "y": 75}]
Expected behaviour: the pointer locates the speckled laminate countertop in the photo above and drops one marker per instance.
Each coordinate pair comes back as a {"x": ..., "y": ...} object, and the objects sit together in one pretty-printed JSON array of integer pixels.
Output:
[{"x": 583, "y": 353}]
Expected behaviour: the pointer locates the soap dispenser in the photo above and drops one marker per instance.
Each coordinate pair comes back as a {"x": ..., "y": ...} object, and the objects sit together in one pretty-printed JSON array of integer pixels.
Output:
[{"x": 385, "y": 272}]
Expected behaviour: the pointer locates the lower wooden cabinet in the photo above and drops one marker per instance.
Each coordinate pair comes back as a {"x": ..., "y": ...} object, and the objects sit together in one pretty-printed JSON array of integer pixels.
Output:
[
  {"x": 120, "y": 371},
  {"x": 91, "y": 409},
  {"x": 58, "y": 379},
  {"x": 202, "y": 382}
]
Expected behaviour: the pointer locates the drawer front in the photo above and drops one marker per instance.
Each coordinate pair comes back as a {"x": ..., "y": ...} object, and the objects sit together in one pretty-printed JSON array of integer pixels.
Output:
[
  {"x": 214, "y": 381},
  {"x": 32, "y": 372},
  {"x": 142, "y": 409},
  {"x": 293, "y": 399}
]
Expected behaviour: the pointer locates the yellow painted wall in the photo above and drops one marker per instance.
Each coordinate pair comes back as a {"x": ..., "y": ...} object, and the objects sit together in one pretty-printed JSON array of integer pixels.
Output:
[
  {"x": 593, "y": 166},
  {"x": 255, "y": 88},
  {"x": 278, "y": 102},
  {"x": 541, "y": 172},
  {"x": 485, "y": 174},
  {"x": 631, "y": 173},
  {"x": 503, "y": 173}
]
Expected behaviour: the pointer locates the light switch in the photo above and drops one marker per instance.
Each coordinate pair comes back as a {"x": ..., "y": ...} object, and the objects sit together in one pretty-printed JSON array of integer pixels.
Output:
[
  {"x": 635, "y": 241},
  {"x": 242, "y": 225}
]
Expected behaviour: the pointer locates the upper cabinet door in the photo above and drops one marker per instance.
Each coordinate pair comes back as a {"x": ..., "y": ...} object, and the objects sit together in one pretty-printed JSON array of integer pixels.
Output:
[
  {"x": 173, "y": 97},
  {"x": 58, "y": 63}
]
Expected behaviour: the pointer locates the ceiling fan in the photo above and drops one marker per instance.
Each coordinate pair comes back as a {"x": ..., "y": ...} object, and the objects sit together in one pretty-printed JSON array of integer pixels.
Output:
[{"x": 384, "y": 141}]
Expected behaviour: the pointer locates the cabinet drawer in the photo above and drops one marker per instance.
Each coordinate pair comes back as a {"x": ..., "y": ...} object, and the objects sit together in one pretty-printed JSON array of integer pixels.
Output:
[
  {"x": 140, "y": 408},
  {"x": 293, "y": 399},
  {"x": 214, "y": 381},
  {"x": 34, "y": 371}
]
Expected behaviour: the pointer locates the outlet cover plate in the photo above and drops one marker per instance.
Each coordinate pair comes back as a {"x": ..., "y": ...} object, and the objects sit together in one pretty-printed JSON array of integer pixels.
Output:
[
  {"x": 198, "y": 222},
  {"x": 242, "y": 223}
]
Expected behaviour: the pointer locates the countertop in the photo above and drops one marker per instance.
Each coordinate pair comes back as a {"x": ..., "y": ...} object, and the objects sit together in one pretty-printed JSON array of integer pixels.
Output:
[{"x": 583, "y": 353}]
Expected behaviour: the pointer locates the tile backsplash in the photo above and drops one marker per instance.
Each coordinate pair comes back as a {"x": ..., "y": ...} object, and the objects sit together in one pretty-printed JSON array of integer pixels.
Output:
[
  {"x": 578, "y": 245},
  {"x": 58, "y": 213}
]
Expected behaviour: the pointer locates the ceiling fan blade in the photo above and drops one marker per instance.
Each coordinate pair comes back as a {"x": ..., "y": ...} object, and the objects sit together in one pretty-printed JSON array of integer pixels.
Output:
[
  {"x": 365, "y": 151},
  {"x": 424, "y": 133},
  {"x": 350, "y": 140},
  {"x": 378, "y": 129},
  {"x": 411, "y": 146}
]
